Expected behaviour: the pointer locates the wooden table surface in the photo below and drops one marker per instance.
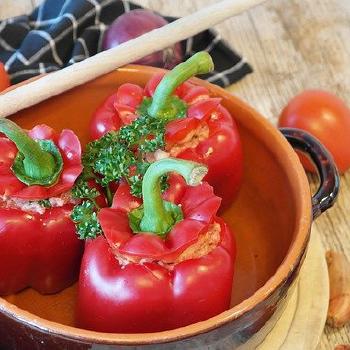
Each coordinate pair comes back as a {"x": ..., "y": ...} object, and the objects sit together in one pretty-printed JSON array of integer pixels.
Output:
[{"x": 292, "y": 45}]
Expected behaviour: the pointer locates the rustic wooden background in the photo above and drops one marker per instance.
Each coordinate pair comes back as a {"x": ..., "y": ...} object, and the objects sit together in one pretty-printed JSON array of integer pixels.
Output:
[{"x": 292, "y": 45}]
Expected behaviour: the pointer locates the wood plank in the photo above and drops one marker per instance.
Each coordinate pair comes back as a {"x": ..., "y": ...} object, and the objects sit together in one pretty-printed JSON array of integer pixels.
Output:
[
  {"x": 10, "y": 8},
  {"x": 36, "y": 2}
]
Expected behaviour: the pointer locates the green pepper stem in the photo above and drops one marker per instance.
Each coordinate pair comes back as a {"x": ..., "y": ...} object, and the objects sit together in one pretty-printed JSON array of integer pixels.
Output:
[
  {"x": 156, "y": 218},
  {"x": 37, "y": 163},
  {"x": 200, "y": 63}
]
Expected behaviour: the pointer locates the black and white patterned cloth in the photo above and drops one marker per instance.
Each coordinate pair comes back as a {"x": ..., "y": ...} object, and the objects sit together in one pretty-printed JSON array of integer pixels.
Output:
[{"x": 61, "y": 32}]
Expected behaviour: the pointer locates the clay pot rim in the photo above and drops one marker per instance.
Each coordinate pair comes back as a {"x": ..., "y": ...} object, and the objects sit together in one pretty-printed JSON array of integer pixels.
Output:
[{"x": 283, "y": 272}]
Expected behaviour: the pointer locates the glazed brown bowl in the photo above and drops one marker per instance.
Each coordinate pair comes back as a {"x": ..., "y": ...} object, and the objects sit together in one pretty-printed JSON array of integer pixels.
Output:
[{"x": 271, "y": 219}]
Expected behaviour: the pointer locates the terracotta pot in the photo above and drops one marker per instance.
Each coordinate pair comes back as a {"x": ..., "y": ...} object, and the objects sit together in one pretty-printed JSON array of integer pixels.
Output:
[{"x": 271, "y": 217}]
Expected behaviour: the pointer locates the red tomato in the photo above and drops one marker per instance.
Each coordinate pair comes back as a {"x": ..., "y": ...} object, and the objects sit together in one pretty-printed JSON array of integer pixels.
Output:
[
  {"x": 4, "y": 78},
  {"x": 326, "y": 117}
]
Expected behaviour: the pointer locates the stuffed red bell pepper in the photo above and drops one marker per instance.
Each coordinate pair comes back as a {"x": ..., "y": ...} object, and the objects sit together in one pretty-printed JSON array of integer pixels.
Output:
[
  {"x": 38, "y": 243},
  {"x": 159, "y": 265},
  {"x": 181, "y": 119}
]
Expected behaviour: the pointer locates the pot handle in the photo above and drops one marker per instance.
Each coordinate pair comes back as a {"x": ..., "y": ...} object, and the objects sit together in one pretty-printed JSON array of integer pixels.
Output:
[{"x": 327, "y": 192}]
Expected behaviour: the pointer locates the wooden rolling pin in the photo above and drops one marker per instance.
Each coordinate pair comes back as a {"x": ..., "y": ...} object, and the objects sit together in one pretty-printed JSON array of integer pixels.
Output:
[{"x": 104, "y": 62}]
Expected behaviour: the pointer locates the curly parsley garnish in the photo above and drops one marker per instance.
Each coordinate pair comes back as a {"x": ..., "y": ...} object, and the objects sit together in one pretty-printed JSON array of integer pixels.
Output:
[
  {"x": 45, "y": 203},
  {"x": 84, "y": 216},
  {"x": 82, "y": 190}
]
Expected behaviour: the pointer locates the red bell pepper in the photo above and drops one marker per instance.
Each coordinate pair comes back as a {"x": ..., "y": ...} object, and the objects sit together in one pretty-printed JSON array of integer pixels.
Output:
[
  {"x": 161, "y": 265},
  {"x": 207, "y": 133},
  {"x": 38, "y": 243}
]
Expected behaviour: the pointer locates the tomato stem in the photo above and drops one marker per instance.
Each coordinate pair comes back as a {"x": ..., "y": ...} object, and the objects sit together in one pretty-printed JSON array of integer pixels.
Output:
[
  {"x": 157, "y": 216},
  {"x": 37, "y": 163},
  {"x": 200, "y": 63}
]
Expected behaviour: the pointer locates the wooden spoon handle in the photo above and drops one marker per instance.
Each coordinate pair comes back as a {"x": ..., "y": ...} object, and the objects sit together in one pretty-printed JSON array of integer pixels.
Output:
[{"x": 104, "y": 62}]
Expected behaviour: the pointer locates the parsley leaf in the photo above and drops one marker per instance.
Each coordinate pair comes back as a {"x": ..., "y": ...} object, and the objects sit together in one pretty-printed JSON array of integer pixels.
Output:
[
  {"x": 45, "y": 203},
  {"x": 82, "y": 190},
  {"x": 113, "y": 162},
  {"x": 144, "y": 133},
  {"x": 84, "y": 216}
]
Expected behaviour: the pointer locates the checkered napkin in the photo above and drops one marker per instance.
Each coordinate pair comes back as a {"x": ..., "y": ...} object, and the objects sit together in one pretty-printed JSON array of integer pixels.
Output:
[{"x": 61, "y": 32}]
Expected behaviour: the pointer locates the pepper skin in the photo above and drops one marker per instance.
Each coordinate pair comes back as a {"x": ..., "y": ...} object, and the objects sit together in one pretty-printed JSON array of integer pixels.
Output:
[
  {"x": 38, "y": 249},
  {"x": 208, "y": 134},
  {"x": 152, "y": 293}
]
